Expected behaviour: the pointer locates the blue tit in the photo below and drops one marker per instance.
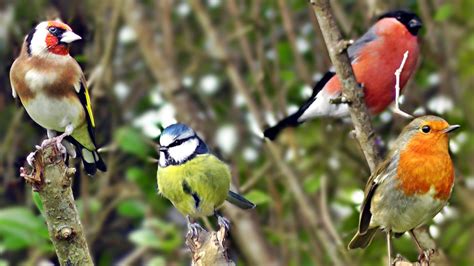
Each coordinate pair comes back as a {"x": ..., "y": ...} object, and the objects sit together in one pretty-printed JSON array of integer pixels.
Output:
[{"x": 193, "y": 179}]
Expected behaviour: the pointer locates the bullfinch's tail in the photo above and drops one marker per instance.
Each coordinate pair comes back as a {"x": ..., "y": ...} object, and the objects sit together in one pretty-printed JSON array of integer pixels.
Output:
[
  {"x": 239, "y": 201},
  {"x": 362, "y": 240},
  {"x": 90, "y": 159},
  {"x": 294, "y": 119},
  {"x": 290, "y": 121}
]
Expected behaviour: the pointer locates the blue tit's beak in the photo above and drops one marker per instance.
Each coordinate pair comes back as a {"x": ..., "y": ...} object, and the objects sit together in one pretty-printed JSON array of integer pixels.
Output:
[
  {"x": 162, "y": 149},
  {"x": 451, "y": 128}
]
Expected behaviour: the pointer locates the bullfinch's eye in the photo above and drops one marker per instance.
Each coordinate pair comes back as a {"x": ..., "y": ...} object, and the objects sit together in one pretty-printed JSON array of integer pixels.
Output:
[
  {"x": 426, "y": 129},
  {"x": 53, "y": 30}
]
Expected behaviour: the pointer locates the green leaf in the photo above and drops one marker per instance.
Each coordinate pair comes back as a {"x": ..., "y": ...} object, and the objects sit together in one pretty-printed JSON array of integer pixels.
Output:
[
  {"x": 312, "y": 184},
  {"x": 131, "y": 141},
  {"x": 258, "y": 197},
  {"x": 37, "y": 201},
  {"x": 145, "y": 237},
  {"x": 131, "y": 208},
  {"x": 157, "y": 261},
  {"x": 444, "y": 12},
  {"x": 20, "y": 228}
]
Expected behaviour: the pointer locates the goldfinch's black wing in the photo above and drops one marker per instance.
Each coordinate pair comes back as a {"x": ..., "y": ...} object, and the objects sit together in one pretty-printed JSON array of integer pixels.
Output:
[{"x": 90, "y": 158}]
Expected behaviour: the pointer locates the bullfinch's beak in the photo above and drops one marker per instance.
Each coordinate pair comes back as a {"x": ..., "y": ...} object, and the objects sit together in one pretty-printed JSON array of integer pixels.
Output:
[
  {"x": 451, "y": 128},
  {"x": 415, "y": 24},
  {"x": 69, "y": 37}
]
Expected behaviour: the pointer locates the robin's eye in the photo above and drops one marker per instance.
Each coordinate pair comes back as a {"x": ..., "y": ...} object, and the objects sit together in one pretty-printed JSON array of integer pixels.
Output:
[{"x": 426, "y": 129}]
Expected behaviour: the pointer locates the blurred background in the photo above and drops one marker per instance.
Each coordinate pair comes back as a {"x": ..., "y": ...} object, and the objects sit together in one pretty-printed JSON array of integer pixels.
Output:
[{"x": 228, "y": 68}]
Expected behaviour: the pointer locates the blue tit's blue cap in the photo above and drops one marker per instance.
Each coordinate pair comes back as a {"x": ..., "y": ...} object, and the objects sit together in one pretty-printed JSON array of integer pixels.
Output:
[{"x": 176, "y": 129}]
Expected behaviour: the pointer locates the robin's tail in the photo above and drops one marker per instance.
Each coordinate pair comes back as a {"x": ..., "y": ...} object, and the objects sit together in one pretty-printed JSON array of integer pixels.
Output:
[
  {"x": 290, "y": 121},
  {"x": 362, "y": 240},
  {"x": 90, "y": 159},
  {"x": 239, "y": 201}
]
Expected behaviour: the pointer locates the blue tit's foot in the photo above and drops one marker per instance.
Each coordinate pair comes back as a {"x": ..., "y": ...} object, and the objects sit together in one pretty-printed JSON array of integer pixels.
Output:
[
  {"x": 223, "y": 222},
  {"x": 425, "y": 256},
  {"x": 193, "y": 229}
]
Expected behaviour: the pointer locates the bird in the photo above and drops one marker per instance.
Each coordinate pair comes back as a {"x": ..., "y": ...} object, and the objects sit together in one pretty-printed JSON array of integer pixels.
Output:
[
  {"x": 374, "y": 58},
  {"x": 195, "y": 181},
  {"x": 411, "y": 185},
  {"x": 52, "y": 88}
]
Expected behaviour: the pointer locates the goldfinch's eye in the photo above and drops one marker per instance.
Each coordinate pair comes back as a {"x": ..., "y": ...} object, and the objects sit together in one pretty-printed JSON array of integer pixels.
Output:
[
  {"x": 426, "y": 129},
  {"x": 53, "y": 30}
]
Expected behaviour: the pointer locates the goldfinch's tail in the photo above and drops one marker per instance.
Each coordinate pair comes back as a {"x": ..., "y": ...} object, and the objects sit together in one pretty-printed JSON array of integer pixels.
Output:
[
  {"x": 90, "y": 159},
  {"x": 239, "y": 201}
]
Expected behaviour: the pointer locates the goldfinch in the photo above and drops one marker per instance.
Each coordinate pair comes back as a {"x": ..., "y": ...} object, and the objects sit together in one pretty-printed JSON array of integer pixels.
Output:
[{"x": 52, "y": 89}]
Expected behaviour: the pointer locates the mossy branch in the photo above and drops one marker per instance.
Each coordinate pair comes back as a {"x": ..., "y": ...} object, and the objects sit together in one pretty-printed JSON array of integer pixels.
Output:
[{"x": 52, "y": 179}]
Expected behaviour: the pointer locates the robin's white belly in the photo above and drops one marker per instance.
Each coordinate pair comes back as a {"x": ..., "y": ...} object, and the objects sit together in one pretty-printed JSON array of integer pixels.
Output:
[
  {"x": 54, "y": 113},
  {"x": 400, "y": 213}
]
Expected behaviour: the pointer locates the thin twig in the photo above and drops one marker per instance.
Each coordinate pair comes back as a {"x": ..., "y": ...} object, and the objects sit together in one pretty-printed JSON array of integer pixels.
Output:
[{"x": 398, "y": 72}]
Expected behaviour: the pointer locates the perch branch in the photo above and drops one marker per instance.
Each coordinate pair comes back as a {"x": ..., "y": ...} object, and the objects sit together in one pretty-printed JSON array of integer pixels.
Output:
[
  {"x": 52, "y": 179},
  {"x": 350, "y": 89},
  {"x": 359, "y": 113},
  {"x": 209, "y": 248}
]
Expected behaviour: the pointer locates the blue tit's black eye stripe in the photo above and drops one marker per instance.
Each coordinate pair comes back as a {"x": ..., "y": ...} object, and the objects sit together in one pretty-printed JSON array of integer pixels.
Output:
[{"x": 180, "y": 141}]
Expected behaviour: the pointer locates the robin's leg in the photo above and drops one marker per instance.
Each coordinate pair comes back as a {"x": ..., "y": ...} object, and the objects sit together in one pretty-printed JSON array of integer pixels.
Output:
[
  {"x": 193, "y": 228},
  {"x": 424, "y": 255},
  {"x": 389, "y": 246}
]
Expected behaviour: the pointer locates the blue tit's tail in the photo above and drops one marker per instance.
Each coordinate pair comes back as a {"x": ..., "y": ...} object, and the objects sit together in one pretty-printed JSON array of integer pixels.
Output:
[
  {"x": 239, "y": 201},
  {"x": 90, "y": 159}
]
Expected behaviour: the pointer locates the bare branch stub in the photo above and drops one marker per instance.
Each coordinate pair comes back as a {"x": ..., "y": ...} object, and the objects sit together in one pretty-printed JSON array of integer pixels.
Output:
[
  {"x": 209, "y": 248},
  {"x": 52, "y": 179}
]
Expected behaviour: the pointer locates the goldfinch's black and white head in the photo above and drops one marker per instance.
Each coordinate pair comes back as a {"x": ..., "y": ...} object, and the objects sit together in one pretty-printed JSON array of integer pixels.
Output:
[
  {"x": 178, "y": 144},
  {"x": 50, "y": 38}
]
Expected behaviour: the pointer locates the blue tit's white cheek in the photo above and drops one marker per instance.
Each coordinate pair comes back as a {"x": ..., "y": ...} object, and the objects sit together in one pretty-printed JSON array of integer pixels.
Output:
[
  {"x": 183, "y": 151},
  {"x": 162, "y": 159}
]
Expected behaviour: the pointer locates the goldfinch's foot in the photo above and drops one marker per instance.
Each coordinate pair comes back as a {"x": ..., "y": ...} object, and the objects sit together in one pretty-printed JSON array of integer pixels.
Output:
[
  {"x": 193, "y": 230},
  {"x": 223, "y": 222}
]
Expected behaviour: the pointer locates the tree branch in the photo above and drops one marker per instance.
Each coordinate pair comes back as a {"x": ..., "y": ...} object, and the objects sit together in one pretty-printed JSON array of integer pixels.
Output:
[
  {"x": 52, "y": 179},
  {"x": 351, "y": 90},
  {"x": 359, "y": 113},
  {"x": 209, "y": 248}
]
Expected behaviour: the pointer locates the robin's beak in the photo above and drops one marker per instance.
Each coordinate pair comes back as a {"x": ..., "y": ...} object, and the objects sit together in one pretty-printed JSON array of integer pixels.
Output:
[
  {"x": 69, "y": 37},
  {"x": 451, "y": 128}
]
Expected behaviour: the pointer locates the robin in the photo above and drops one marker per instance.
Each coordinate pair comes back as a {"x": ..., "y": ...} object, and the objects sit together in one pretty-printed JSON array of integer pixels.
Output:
[{"x": 411, "y": 186}]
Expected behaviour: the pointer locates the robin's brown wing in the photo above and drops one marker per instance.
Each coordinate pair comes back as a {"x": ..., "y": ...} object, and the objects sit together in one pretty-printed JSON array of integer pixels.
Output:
[{"x": 374, "y": 180}]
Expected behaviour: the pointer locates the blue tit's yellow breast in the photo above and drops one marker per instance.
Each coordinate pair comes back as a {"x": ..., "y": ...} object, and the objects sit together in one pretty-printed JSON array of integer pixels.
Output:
[{"x": 196, "y": 187}]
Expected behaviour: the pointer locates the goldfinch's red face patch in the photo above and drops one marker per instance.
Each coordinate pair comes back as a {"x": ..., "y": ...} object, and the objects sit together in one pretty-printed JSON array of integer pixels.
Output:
[{"x": 51, "y": 37}]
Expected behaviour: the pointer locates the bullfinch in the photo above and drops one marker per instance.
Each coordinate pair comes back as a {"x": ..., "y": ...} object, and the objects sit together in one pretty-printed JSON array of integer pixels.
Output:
[{"x": 374, "y": 57}]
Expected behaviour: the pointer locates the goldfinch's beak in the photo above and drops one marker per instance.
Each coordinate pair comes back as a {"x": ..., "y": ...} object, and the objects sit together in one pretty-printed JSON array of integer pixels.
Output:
[
  {"x": 69, "y": 37},
  {"x": 451, "y": 128}
]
